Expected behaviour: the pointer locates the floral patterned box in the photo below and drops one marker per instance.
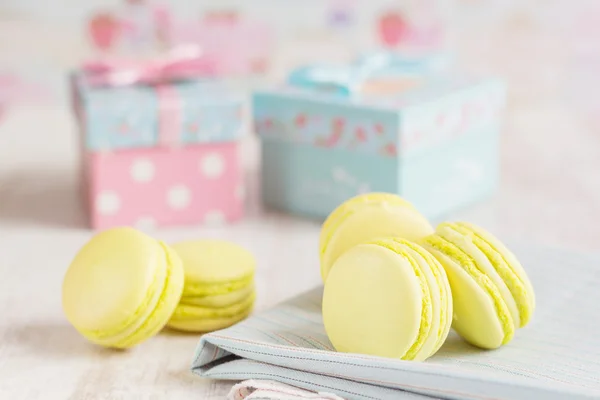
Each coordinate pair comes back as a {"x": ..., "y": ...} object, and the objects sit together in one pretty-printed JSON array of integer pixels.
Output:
[
  {"x": 433, "y": 141},
  {"x": 159, "y": 154}
]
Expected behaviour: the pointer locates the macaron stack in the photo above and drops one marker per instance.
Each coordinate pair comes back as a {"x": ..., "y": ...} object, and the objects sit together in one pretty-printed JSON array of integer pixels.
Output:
[
  {"x": 219, "y": 285},
  {"x": 123, "y": 287},
  {"x": 394, "y": 285}
]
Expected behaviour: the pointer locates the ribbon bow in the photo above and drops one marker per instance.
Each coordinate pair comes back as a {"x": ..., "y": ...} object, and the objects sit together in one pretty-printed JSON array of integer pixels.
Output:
[
  {"x": 180, "y": 63},
  {"x": 378, "y": 72}
]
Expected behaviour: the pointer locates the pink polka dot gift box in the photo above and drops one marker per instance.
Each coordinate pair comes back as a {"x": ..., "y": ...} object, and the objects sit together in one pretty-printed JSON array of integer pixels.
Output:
[{"x": 159, "y": 143}]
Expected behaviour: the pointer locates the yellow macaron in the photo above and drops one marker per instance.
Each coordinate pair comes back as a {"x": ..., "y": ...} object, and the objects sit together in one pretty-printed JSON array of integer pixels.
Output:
[
  {"x": 122, "y": 287},
  {"x": 366, "y": 217},
  {"x": 389, "y": 298},
  {"x": 219, "y": 285},
  {"x": 492, "y": 293}
]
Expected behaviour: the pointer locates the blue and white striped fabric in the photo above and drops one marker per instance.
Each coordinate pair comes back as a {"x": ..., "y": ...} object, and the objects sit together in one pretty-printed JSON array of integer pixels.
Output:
[{"x": 556, "y": 357}]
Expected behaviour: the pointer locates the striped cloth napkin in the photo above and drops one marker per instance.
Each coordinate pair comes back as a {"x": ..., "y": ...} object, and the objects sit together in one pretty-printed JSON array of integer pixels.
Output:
[{"x": 556, "y": 357}]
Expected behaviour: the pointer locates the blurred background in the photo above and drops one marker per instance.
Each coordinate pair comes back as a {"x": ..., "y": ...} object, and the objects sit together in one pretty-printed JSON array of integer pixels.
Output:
[{"x": 547, "y": 50}]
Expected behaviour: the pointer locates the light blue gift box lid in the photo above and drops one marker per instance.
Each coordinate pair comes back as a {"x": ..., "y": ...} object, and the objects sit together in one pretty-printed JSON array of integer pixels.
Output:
[
  {"x": 434, "y": 140},
  {"x": 422, "y": 115},
  {"x": 126, "y": 117}
]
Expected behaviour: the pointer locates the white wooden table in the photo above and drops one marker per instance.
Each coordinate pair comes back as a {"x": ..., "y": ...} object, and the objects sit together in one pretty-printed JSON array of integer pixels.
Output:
[{"x": 550, "y": 192}]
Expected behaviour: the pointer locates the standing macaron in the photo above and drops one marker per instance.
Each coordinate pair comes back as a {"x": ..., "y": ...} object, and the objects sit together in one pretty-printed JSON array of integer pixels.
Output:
[
  {"x": 366, "y": 217},
  {"x": 219, "y": 285},
  {"x": 122, "y": 288},
  {"x": 389, "y": 298},
  {"x": 492, "y": 293}
]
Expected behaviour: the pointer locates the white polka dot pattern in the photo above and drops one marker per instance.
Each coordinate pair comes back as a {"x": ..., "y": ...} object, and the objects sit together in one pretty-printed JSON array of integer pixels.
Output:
[
  {"x": 212, "y": 166},
  {"x": 108, "y": 203},
  {"x": 142, "y": 170},
  {"x": 179, "y": 197}
]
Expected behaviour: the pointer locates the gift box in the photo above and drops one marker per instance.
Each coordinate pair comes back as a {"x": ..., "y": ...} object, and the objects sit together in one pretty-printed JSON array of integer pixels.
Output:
[
  {"x": 331, "y": 133},
  {"x": 158, "y": 147}
]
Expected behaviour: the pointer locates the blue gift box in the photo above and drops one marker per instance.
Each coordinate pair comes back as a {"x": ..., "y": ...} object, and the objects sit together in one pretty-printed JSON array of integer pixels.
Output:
[
  {"x": 325, "y": 137},
  {"x": 134, "y": 116}
]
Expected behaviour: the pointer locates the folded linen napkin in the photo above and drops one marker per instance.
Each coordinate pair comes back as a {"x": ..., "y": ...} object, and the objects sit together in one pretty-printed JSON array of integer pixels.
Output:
[{"x": 556, "y": 357}]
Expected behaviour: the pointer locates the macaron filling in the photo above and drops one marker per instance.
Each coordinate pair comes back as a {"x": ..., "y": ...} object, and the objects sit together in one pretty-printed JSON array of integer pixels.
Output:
[
  {"x": 483, "y": 264},
  {"x": 216, "y": 288},
  {"x": 219, "y": 301},
  {"x": 186, "y": 311},
  {"x": 167, "y": 301},
  {"x": 207, "y": 325},
  {"x": 467, "y": 263},
  {"x": 396, "y": 245},
  {"x": 514, "y": 282},
  {"x": 445, "y": 315}
]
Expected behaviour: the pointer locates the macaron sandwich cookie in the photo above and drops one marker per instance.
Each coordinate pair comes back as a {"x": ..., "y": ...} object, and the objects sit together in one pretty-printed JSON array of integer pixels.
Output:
[
  {"x": 492, "y": 293},
  {"x": 219, "y": 285},
  {"x": 365, "y": 217},
  {"x": 387, "y": 297},
  {"x": 122, "y": 287}
]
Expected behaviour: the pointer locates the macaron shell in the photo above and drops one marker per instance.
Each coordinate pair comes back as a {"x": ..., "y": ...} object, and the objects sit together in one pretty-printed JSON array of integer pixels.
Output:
[
  {"x": 370, "y": 222},
  {"x": 214, "y": 266},
  {"x": 510, "y": 260},
  {"x": 167, "y": 304},
  {"x": 206, "y": 289},
  {"x": 475, "y": 313},
  {"x": 207, "y": 325},
  {"x": 427, "y": 283},
  {"x": 222, "y": 300},
  {"x": 341, "y": 212},
  {"x": 113, "y": 281},
  {"x": 437, "y": 284},
  {"x": 446, "y": 314},
  {"x": 451, "y": 233},
  {"x": 372, "y": 303}
]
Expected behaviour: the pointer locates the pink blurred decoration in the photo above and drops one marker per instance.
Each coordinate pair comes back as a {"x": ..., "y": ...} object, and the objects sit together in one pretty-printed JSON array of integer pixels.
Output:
[
  {"x": 104, "y": 30},
  {"x": 393, "y": 29},
  {"x": 240, "y": 46},
  {"x": 420, "y": 27},
  {"x": 396, "y": 30},
  {"x": 135, "y": 24}
]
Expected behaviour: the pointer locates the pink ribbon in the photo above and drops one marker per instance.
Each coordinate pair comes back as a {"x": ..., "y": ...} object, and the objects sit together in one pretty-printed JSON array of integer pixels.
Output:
[
  {"x": 181, "y": 63},
  {"x": 184, "y": 62}
]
